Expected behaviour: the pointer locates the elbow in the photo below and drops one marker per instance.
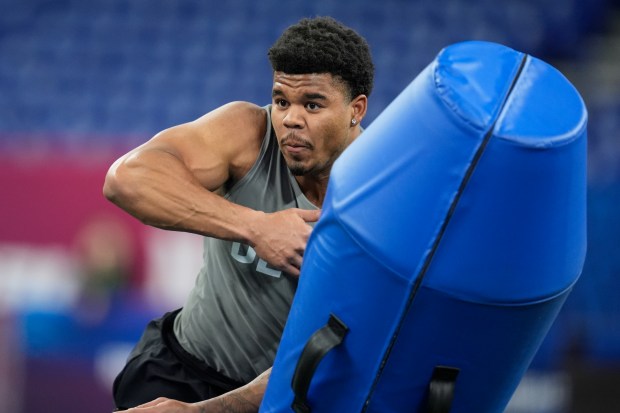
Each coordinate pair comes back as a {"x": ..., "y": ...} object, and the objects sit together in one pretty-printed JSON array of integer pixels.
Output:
[
  {"x": 115, "y": 186},
  {"x": 110, "y": 187}
]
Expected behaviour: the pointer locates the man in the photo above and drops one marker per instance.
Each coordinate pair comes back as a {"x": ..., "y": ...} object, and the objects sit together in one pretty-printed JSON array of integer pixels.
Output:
[{"x": 252, "y": 180}]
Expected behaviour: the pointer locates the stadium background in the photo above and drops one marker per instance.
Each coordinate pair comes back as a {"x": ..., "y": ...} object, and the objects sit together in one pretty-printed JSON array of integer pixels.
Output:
[{"x": 81, "y": 82}]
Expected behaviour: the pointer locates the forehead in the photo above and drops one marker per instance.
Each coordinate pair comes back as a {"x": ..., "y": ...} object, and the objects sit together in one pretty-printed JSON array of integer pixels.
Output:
[{"x": 303, "y": 83}]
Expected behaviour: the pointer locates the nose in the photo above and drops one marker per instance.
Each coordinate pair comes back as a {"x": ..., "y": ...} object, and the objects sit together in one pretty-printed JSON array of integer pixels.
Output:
[{"x": 294, "y": 118}]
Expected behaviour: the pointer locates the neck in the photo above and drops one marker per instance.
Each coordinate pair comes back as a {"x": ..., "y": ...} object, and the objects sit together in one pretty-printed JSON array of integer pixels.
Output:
[{"x": 314, "y": 188}]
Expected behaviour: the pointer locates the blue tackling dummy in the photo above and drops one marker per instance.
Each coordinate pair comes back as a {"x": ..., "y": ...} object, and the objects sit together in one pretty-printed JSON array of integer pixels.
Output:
[{"x": 452, "y": 232}]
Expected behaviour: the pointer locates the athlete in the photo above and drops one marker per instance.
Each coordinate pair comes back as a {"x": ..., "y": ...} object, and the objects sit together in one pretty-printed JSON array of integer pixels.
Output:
[{"x": 251, "y": 180}]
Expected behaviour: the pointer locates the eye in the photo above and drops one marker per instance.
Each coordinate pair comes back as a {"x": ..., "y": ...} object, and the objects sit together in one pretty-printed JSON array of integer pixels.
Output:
[
  {"x": 312, "y": 106},
  {"x": 281, "y": 103}
]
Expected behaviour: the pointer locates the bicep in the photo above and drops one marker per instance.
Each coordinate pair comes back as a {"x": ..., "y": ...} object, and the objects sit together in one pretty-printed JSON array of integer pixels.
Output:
[{"x": 217, "y": 148}]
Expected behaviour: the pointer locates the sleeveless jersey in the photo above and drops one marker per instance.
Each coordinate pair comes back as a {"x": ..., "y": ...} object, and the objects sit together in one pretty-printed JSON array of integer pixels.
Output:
[{"x": 235, "y": 314}]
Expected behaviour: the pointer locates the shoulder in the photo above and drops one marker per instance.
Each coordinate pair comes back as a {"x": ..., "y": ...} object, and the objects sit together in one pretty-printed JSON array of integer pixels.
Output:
[
  {"x": 240, "y": 117},
  {"x": 235, "y": 132}
]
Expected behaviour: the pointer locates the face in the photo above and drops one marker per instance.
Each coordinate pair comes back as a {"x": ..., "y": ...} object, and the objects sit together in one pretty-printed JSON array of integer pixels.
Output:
[{"x": 311, "y": 115}]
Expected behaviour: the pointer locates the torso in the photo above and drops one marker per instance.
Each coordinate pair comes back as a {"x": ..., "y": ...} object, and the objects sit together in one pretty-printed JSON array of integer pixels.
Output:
[{"x": 234, "y": 316}]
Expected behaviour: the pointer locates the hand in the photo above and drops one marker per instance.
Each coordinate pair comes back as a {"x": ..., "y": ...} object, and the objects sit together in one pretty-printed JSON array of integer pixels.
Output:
[
  {"x": 164, "y": 405},
  {"x": 281, "y": 237},
  {"x": 245, "y": 399}
]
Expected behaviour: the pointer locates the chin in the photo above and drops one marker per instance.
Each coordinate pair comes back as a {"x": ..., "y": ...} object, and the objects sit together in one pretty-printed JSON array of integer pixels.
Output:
[{"x": 298, "y": 170}]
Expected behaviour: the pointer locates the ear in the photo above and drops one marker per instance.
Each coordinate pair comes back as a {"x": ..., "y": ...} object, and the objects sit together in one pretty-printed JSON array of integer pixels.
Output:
[{"x": 359, "y": 105}]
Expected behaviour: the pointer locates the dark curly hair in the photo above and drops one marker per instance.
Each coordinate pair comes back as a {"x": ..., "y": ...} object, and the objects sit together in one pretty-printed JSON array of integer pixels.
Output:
[{"x": 324, "y": 45}]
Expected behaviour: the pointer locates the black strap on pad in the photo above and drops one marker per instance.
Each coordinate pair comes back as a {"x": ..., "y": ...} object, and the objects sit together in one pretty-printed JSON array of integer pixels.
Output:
[
  {"x": 319, "y": 344},
  {"x": 441, "y": 389}
]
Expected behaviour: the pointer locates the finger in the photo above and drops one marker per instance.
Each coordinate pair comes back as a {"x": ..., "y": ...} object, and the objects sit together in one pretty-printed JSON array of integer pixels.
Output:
[
  {"x": 155, "y": 402},
  {"x": 295, "y": 261},
  {"x": 291, "y": 270},
  {"x": 309, "y": 215}
]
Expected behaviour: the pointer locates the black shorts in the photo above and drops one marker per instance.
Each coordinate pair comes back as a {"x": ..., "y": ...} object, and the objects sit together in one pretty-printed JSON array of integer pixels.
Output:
[{"x": 159, "y": 367}]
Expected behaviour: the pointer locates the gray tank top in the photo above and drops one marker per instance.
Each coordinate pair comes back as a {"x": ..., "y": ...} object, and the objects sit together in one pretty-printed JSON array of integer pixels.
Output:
[{"x": 235, "y": 314}]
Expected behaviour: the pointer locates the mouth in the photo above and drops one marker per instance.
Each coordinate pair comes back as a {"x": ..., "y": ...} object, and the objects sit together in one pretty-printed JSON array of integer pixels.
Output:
[
  {"x": 294, "y": 148},
  {"x": 295, "y": 144}
]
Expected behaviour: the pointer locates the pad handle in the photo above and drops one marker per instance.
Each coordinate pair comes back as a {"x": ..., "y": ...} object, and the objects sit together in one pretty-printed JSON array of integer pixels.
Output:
[
  {"x": 441, "y": 389},
  {"x": 318, "y": 345}
]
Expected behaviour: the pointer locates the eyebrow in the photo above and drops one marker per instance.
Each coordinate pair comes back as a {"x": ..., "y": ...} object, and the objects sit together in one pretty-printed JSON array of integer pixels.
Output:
[
  {"x": 315, "y": 96},
  {"x": 308, "y": 96}
]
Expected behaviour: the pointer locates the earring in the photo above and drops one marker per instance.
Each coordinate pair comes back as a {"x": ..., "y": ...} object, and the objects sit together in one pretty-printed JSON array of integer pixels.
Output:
[{"x": 353, "y": 121}]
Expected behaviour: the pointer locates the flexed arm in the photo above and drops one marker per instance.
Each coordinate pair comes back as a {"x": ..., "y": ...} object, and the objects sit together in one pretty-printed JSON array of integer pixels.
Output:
[
  {"x": 174, "y": 182},
  {"x": 171, "y": 181}
]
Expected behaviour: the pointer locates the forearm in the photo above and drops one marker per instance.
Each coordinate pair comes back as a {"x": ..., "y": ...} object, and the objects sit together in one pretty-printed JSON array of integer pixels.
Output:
[
  {"x": 157, "y": 188},
  {"x": 246, "y": 399}
]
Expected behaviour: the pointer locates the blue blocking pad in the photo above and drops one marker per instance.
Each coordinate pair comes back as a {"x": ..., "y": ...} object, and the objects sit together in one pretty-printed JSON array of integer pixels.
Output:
[{"x": 452, "y": 232}]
